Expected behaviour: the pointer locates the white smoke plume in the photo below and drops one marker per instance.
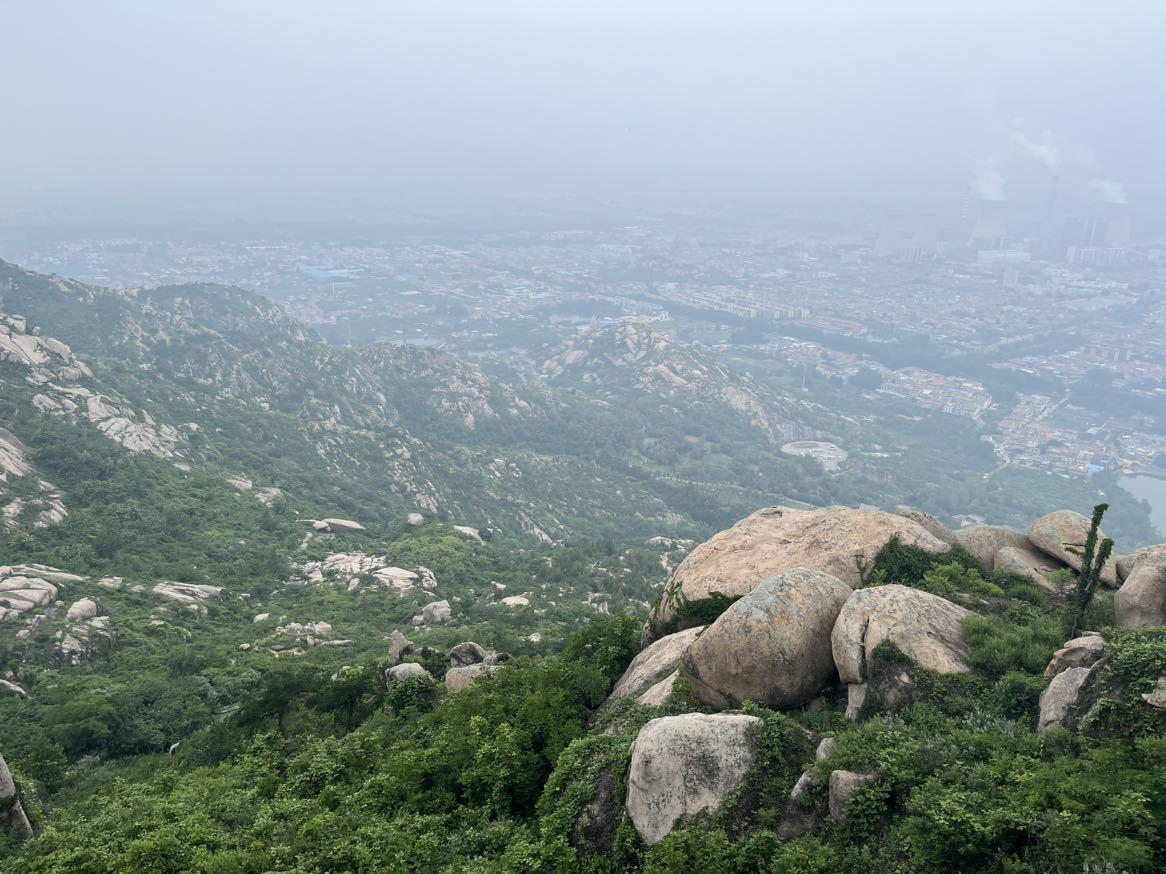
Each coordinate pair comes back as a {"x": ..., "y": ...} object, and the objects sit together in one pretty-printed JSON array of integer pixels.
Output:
[
  {"x": 1106, "y": 190},
  {"x": 1041, "y": 150}
]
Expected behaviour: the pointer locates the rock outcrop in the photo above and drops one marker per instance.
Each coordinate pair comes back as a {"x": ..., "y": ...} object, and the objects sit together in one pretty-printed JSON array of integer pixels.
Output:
[
  {"x": 1141, "y": 600},
  {"x": 834, "y": 540},
  {"x": 683, "y": 765},
  {"x": 1057, "y": 701},
  {"x": 655, "y": 662},
  {"x": 433, "y": 613},
  {"x": 1060, "y": 532},
  {"x": 772, "y": 646},
  {"x": 12, "y": 812},
  {"x": 1031, "y": 563},
  {"x": 926, "y": 628},
  {"x": 398, "y": 645},
  {"x": 1080, "y": 652},
  {"x": 927, "y": 521},
  {"x": 1127, "y": 563},
  {"x": 406, "y": 671},
  {"x": 983, "y": 542},
  {"x": 468, "y": 653},
  {"x": 844, "y": 786},
  {"x": 459, "y": 679},
  {"x": 657, "y": 695}
]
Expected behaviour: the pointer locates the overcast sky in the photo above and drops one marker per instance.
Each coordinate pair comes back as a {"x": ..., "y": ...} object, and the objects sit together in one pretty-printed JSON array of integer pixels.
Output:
[{"x": 632, "y": 100}]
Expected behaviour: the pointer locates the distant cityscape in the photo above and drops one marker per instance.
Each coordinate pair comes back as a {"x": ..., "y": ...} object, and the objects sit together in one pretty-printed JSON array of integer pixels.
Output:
[{"x": 1066, "y": 309}]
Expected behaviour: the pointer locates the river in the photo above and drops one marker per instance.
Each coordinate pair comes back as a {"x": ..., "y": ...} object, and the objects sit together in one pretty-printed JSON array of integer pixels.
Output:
[{"x": 1150, "y": 489}]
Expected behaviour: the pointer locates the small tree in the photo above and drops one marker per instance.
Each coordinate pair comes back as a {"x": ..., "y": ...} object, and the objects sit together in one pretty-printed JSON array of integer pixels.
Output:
[{"x": 1093, "y": 559}]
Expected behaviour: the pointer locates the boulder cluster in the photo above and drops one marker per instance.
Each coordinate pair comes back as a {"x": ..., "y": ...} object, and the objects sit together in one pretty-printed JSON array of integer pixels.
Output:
[
  {"x": 468, "y": 663},
  {"x": 772, "y": 611}
]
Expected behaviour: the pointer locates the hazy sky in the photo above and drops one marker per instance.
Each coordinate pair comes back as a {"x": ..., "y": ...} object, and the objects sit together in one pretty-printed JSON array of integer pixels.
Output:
[{"x": 156, "y": 102}]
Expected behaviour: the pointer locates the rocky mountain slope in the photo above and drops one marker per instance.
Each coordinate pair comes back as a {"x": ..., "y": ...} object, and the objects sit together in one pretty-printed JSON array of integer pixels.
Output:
[{"x": 819, "y": 690}]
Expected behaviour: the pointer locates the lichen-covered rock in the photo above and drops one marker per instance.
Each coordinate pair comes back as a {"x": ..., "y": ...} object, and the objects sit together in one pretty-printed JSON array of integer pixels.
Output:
[
  {"x": 1060, "y": 532},
  {"x": 772, "y": 646},
  {"x": 926, "y": 628},
  {"x": 1080, "y": 652},
  {"x": 654, "y": 662},
  {"x": 1056, "y": 702},
  {"x": 844, "y": 786},
  {"x": 983, "y": 542},
  {"x": 834, "y": 540},
  {"x": 1031, "y": 563},
  {"x": 1141, "y": 600},
  {"x": 683, "y": 765}
]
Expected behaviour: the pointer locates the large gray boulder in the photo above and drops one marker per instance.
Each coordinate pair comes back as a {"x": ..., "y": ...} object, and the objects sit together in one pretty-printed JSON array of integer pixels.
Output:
[
  {"x": 657, "y": 695},
  {"x": 1031, "y": 563},
  {"x": 406, "y": 671},
  {"x": 468, "y": 653},
  {"x": 1127, "y": 563},
  {"x": 459, "y": 679},
  {"x": 655, "y": 662},
  {"x": 835, "y": 540},
  {"x": 1141, "y": 600},
  {"x": 11, "y": 810},
  {"x": 398, "y": 646},
  {"x": 925, "y": 627},
  {"x": 1057, "y": 701},
  {"x": 984, "y": 541},
  {"x": 1060, "y": 532},
  {"x": 772, "y": 646},
  {"x": 683, "y": 765},
  {"x": 844, "y": 786},
  {"x": 433, "y": 613}
]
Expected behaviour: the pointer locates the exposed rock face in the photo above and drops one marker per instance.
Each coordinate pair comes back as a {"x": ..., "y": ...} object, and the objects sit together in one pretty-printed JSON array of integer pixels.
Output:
[
  {"x": 776, "y": 539},
  {"x": 1080, "y": 652},
  {"x": 433, "y": 613},
  {"x": 468, "y": 653},
  {"x": 19, "y": 594},
  {"x": 682, "y": 765},
  {"x": 11, "y": 810},
  {"x": 398, "y": 644},
  {"x": 9, "y": 688},
  {"x": 772, "y": 646},
  {"x": 654, "y": 662},
  {"x": 187, "y": 593},
  {"x": 406, "y": 671},
  {"x": 471, "y": 533},
  {"x": 1057, "y": 532},
  {"x": 924, "y": 627},
  {"x": 1156, "y": 697},
  {"x": 414, "y": 519},
  {"x": 927, "y": 521},
  {"x": 348, "y": 568},
  {"x": 844, "y": 786},
  {"x": 343, "y": 526},
  {"x": 1031, "y": 563},
  {"x": 1141, "y": 600},
  {"x": 657, "y": 694},
  {"x": 984, "y": 541},
  {"x": 86, "y": 608},
  {"x": 1127, "y": 563},
  {"x": 1056, "y": 702},
  {"x": 458, "y": 679}
]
